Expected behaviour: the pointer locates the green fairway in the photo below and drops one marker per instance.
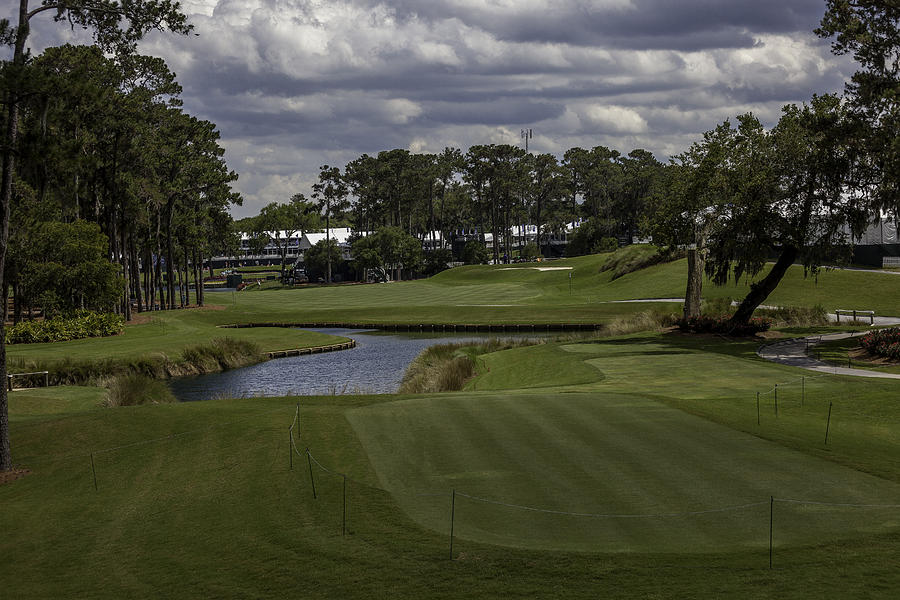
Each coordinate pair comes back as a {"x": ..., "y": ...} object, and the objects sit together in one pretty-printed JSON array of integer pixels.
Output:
[
  {"x": 629, "y": 462},
  {"x": 200, "y": 499}
]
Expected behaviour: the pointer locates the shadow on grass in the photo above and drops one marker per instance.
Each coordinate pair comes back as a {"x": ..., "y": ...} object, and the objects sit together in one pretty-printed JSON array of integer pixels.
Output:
[{"x": 685, "y": 343}]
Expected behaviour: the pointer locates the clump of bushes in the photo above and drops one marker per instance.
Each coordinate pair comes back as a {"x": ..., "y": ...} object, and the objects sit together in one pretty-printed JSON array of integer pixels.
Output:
[
  {"x": 81, "y": 324},
  {"x": 722, "y": 325},
  {"x": 648, "y": 320},
  {"x": 132, "y": 389},
  {"x": 883, "y": 342},
  {"x": 795, "y": 316}
]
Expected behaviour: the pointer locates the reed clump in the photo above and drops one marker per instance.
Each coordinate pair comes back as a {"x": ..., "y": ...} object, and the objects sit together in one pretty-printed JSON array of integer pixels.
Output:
[
  {"x": 219, "y": 354},
  {"x": 648, "y": 320},
  {"x": 133, "y": 389},
  {"x": 447, "y": 367}
]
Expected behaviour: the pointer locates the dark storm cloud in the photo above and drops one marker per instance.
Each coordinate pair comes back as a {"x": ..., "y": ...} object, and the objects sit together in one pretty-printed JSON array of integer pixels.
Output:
[
  {"x": 661, "y": 24},
  {"x": 293, "y": 84}
]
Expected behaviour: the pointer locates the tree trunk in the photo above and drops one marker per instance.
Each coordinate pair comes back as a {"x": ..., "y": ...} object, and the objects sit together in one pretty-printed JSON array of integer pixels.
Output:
[
  {"x": 10, "y": 147},
  {"x": 198, "y": 276},
  {"x": 171, "y": 268},
  {"x": 126, "y": 267},
  {"x": 5, "y": 451},
  {"x": 760, "y": 290},
  {"x": 696, "y": 261},
  {"x": 136, "y": 275},
  {"x": 328, "y": 242}
]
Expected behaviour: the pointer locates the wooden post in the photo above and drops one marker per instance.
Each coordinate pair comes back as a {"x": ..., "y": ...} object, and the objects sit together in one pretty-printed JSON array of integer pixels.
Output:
[
  {"x": 46, "y": 378},
  {"x": 452, "y": 519},
  {"x": 776, "y": 400},
  {"x": 94, "y": 471},
  {"x": 828, "y": 424},
  {"x": 311, "y": 478},
  {"x": 771, "y": 526}
]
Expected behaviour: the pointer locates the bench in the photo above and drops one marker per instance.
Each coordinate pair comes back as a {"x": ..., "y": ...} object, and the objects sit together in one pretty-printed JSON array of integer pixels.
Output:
[
  {"x": 854, "y": 313},
  {"x": 9, "y": 378}
]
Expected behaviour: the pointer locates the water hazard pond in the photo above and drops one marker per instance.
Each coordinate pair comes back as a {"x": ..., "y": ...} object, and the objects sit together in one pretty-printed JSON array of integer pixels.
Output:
[{"x": 375, "y": 366}]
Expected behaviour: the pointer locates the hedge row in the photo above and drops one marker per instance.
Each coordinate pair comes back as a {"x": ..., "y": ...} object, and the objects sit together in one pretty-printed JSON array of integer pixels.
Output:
[
  {"x": 83, "y": 324},
  {"x": 883, "y": 342},
  {"x": 723, "y": 325}
]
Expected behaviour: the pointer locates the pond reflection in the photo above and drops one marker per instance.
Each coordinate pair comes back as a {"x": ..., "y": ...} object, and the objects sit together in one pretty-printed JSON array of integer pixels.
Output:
[{"x": 375, "y": 366}]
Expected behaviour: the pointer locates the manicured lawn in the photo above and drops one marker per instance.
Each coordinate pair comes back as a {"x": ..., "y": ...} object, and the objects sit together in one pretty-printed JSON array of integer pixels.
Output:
[
  {"x": 654, "y": 478},
  {"x": 199, "y": 500},
  {"x": 654, "y": 440}
]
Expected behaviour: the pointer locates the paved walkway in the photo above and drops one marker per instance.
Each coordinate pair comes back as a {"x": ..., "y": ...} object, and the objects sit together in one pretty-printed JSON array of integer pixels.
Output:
[{"x": 793, "y": 352}]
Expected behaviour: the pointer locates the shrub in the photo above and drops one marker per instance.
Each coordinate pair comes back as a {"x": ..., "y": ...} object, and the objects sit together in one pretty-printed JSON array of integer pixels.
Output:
[
  {"x": 474, "y": 253},
  {"x": 133, "y": 389},
  {"x": 530, "y": 251},
  {"x": 796, "y": 316},
  {"x": 607, "y": 244},
  {"x": 716, "y": 306},
  {"x": 722, "y": 325},
  {"x": 82, "y": 324},
  {"x": 883, "y": 342},
  {"x": 437, "y": 261},
  {"x": 648, "y": 320}
]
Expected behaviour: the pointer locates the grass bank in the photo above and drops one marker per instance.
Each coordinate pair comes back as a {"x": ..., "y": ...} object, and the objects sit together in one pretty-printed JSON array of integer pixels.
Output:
[
  {"x": 447, "y": 367},
  {"x": 219, "y": 354}
]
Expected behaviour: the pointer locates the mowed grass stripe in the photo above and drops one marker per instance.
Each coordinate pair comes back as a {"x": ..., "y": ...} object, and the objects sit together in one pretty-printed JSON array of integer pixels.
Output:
[{"x": 652, "y": 460}]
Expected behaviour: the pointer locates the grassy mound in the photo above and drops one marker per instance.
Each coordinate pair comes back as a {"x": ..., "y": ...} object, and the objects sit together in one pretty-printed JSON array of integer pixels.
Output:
[{"x": 636, "y": 257}]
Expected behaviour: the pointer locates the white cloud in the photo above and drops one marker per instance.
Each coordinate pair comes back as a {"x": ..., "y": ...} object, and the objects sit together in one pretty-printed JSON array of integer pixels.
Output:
[{"x": 615, "y": 119}]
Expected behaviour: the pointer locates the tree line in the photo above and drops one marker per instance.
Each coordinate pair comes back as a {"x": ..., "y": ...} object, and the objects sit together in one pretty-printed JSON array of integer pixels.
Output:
[
  {"x": 106, "y": 155},
  {"x": 492, "y": 188}
]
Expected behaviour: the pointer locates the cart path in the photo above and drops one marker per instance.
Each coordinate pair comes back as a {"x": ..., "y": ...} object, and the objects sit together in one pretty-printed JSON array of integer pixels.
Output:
[{"x": 793, "y": 352}]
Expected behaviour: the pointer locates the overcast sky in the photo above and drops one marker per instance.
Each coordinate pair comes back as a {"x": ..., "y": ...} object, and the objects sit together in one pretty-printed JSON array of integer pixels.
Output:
[{"x": 295, "y": 84}]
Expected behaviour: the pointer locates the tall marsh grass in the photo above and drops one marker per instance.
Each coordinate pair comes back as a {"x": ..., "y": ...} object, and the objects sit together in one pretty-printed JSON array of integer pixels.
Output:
[
  {"x": 781, "y": 316},
  {"x": 447, "y": 367},
  {"x": 648, "y": 320},
  {"x": 219, "y": 354},
  {"x": 133, "y": 389}
]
